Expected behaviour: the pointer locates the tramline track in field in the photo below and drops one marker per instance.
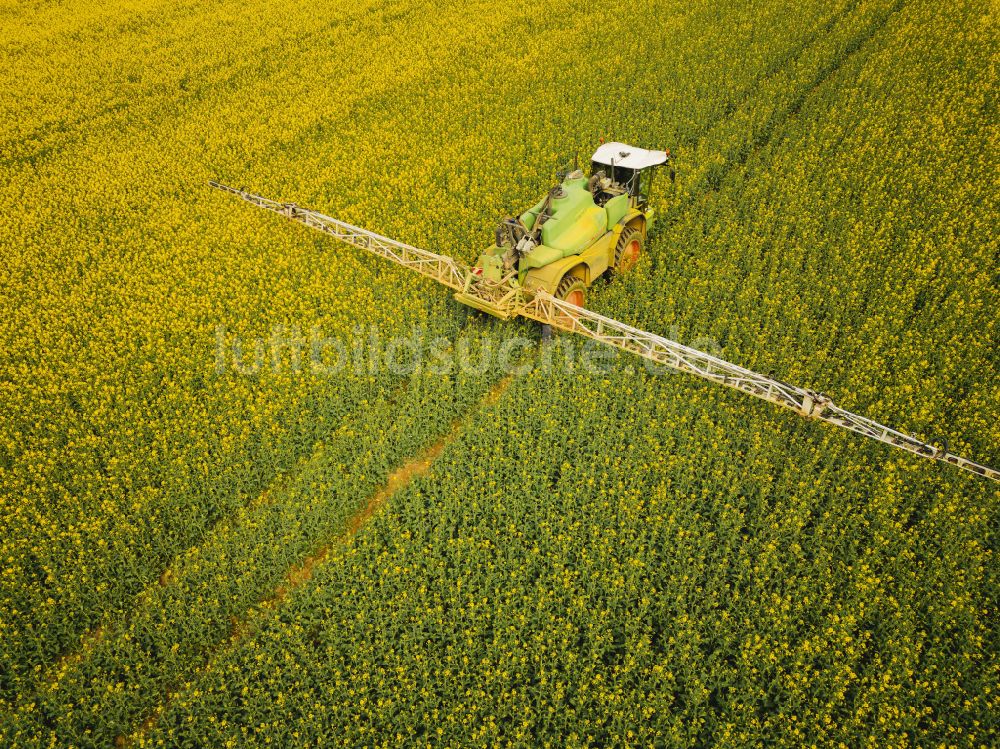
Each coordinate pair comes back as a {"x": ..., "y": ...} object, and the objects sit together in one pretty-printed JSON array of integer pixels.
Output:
[{"x": 299, "y": 574}]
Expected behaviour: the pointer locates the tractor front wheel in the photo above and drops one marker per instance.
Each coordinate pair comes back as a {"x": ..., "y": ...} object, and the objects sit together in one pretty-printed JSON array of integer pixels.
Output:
[
  {"x": 628, "y": 250},
  {"x": 571, "y": 289}
]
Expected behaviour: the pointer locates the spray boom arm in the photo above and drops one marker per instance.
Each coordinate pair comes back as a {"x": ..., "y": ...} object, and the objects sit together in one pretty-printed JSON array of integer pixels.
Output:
[
  {"x": 440, "y": 268},
  {"x": 541, "y": 306}
]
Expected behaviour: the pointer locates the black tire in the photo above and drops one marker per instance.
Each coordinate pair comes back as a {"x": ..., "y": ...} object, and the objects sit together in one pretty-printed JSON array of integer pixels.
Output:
[
  {"x": 628, "y": 250},
  {"x": 573, "y": 290}
]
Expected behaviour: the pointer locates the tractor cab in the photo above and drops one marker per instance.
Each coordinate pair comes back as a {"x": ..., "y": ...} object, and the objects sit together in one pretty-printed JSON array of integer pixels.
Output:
[{"x": 630, "y": 167}]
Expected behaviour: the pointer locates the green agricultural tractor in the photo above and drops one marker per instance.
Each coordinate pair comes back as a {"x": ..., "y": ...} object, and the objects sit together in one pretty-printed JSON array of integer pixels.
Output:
[{"x": 584, "y": 227}]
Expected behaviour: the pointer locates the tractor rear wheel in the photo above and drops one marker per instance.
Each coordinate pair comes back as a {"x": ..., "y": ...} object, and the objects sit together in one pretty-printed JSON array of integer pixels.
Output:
[
  {"x": 628, "y": 250},
  {"x": 571, "y": 289}
]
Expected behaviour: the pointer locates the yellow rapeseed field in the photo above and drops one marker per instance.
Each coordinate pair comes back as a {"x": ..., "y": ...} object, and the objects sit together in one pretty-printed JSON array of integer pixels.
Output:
[{"x": 190, "y": 551}]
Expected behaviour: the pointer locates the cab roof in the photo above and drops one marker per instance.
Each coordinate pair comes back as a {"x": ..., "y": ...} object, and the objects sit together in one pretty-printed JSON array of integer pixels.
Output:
[{"x": 628, "y": 157}]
